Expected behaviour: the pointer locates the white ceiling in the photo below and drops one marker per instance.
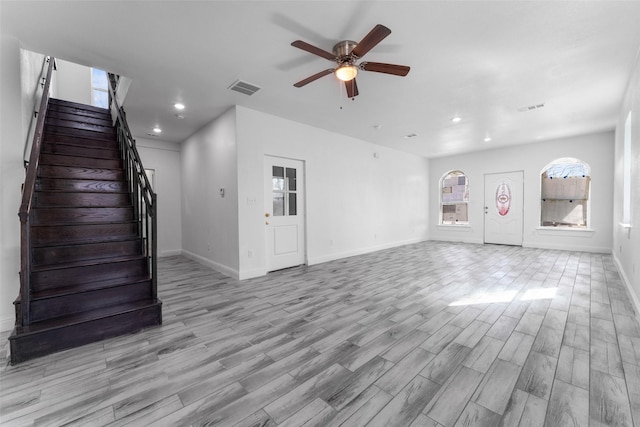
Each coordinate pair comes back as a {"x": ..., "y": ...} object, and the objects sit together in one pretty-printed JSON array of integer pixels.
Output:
[{"x": 480, "y": 60}]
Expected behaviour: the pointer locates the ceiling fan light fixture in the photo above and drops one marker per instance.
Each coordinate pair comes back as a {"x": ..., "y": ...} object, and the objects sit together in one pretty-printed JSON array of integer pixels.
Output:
[{"x": 346, "y": 72}]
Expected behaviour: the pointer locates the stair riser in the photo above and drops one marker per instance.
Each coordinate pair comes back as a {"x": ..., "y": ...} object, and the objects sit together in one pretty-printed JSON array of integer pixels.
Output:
[
  {"x": 110, "y": 144},
  {"x": 75, "y": 150},
  {"x": 52, "y": 200},
  {"x": 57, "y": 254},
  {"x": 79, "y": 185},
  {"x": 61, "y": 114},
  {"x": 75, "y": 108},
  {"x": 51, "y": 308},
  {"x": 78, "y": 133},
  {"x": 50, "y": 216},
  {"x": 72, "y": 276},
  {"x": 51, "y": 171},
  {"x": 32, "y": 345},
  {"x": 86, "y": 162},
  {"x": 48, "y": 235},
  {"x": 75, "y": 125}
]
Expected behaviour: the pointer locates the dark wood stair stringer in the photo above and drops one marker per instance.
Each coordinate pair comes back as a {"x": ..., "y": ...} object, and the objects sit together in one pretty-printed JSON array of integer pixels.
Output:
[{"x": 90, "y": 277}]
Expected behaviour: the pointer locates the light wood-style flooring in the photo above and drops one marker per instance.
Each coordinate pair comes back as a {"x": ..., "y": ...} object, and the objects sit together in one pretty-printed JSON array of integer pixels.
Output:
[{"x": 429, "y": 334}]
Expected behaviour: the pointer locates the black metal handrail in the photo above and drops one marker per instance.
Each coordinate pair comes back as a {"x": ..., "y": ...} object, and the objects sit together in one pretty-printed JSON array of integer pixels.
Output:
[
  {"x": 144, "y": 198},
  {"x": 27, "y": 200}
]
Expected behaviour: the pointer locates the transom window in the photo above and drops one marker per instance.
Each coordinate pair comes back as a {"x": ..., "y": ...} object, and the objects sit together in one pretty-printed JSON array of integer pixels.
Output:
[
  {"x": 454, "y": 198},
  {"x": 565, "y": 187}
]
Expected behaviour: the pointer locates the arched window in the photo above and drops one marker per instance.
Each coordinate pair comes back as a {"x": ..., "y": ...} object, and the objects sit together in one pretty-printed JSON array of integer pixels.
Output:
[
  {"x": 454, "y": 198},
  {"x": 565, "y": 186}
]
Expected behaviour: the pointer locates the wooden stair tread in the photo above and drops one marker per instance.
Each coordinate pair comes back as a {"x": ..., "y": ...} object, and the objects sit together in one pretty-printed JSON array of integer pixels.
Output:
[
  {"x": 83, "y": 317},
  {"x": 66, "y": 243},
  {"x": 87, "y": 263},
  {"x": 89, "y": 276},
  {"x": 87, "y": 287}
]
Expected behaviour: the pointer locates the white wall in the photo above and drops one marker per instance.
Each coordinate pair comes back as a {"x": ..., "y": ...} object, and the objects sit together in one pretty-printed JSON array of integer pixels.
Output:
[
  {"x": 355, "y": 202},
  {"x": 626, "y": 241},
  {"x": 164, "y": 159},
  {"x": 595, "y": 149},
  {"x": 12, "y": 141},
  {"x": 31, "y": 66},
  {"x": 209, "y": 221},
  {"x": 73, "y": 82}
]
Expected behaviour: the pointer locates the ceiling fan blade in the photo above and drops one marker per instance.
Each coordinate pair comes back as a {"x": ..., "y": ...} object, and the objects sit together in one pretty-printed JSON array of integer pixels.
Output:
[
  {"x": 352, "y": 88},
  {"x": 369, "y": 41},
  {"x": 379, "y": 67},
  {"x": 312, "y": 49},
  {"x": 314, "y": 77}
]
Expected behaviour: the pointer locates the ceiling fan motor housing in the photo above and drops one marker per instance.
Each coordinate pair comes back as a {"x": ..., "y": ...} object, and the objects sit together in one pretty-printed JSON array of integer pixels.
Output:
[{"x": 343, "y": 49}]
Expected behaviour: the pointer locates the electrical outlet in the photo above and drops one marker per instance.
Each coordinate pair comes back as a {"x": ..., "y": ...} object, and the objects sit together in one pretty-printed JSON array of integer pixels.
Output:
[{"x": 250, "y": 254}]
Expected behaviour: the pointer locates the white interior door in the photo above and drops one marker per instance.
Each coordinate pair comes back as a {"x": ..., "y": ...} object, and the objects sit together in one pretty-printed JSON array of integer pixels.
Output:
[
  {"x": 284, "y": 212},
  {"x": 503, "y": 208}
]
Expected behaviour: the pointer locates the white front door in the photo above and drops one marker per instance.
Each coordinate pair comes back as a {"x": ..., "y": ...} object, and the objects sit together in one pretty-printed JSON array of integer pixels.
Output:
[
  {"x": 284, "y": 212},
  {"x": 503, "y": 208}
]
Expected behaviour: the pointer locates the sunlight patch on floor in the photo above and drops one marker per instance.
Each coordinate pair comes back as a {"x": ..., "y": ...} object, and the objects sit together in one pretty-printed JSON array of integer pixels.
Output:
[{"x": 505, "y": 296}]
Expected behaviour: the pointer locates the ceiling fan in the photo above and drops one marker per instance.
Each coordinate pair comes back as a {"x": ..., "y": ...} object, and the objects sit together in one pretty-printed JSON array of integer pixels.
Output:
[{"x": 346, "y": 54}]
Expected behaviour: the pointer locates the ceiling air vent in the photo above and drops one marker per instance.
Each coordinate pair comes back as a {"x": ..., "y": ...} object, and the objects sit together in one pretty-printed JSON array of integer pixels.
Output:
[
  {"x": 244, "y": 87},
  {"x": 530, "y": 108}
]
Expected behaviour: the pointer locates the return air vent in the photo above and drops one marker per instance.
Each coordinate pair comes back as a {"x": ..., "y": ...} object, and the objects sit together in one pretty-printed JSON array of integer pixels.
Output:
[
  {"x": 244, "y": 87},
  {"x": 530, "y": 108}
]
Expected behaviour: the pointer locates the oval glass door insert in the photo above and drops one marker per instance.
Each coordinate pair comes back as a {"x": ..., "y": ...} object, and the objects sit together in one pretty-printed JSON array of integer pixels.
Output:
[{"x": 503, "y": 199}]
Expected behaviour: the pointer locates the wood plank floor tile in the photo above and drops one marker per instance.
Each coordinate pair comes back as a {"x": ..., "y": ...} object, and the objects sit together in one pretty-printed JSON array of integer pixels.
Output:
[
  {"x": 537, "y": 375},
  {"x": 396, "y": 378},
  {"x": 497, "y": 386},
  {"x": 632, "y": 375},
  {"x": 400, "y": 336},
  {"x": 479, "y": 416},
  {"x": 608, "y": 400},
  {"x": 407, "y": 404},
  {"x": 452, "y": 398},
  {"x": 573, "y": 367},
  {"x": 568, "y": 406}
]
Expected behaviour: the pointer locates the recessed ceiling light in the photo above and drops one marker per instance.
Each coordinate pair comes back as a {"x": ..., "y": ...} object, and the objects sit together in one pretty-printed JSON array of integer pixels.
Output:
[
  {"x": 411, "y": 135},
  {"x": 456, "y": 119},
  {"x": 377, "y": 127},
  {"x": 157, "y": 129},
  {"x": 487, "y": 139},
  {"x": 180, "y": 116},
  {"x": 179, "y": 106}
]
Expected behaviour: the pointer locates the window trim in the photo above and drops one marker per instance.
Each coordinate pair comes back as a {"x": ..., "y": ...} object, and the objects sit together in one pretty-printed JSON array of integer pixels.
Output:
[
  {"x": 587, "y": 226},
  {"x": 441, "y": 202}
]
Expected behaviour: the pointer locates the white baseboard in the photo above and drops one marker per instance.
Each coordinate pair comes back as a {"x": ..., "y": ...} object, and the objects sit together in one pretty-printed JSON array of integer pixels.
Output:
[
  {"x": 564, "y": 247},
  {"x": 7, "y": 324},
  {"x": 339, "y": 255},
  {"x": 226, "y": 270},
  {"x": 457, "y": 239},
  {"x": 250, "y": 274},
  {"x": 172, "y": 252},
  {"x": 627, "y": 283}
]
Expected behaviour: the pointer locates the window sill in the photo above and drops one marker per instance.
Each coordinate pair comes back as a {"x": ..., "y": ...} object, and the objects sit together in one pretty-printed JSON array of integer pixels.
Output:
[
  {"x": 583, "y": 232},
  {"x": 457, "y": 227},
  {"x": 625, "y": 226}
]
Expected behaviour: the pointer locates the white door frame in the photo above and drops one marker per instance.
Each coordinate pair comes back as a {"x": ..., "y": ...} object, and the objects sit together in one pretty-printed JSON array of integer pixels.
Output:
[
  {"x": 505, "y": 228},
  {"x": 289, "y": 225}
]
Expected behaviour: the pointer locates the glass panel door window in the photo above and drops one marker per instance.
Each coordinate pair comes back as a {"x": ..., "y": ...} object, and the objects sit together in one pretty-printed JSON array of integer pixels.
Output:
[{"x": 284, "y": 191}]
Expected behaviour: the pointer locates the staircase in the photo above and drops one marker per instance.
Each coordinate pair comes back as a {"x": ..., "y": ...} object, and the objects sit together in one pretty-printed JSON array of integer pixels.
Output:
[{"x": 89, "y": 275}]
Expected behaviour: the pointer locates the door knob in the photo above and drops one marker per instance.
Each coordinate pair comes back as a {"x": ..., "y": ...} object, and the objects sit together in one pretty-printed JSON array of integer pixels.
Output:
[{"x": 267, "y": 214}]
